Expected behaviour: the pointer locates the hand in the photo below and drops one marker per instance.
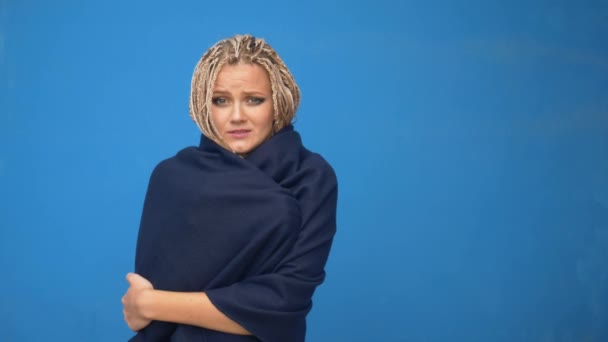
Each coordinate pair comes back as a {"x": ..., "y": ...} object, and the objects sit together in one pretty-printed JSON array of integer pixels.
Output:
[{"x": 132, "y": 301}]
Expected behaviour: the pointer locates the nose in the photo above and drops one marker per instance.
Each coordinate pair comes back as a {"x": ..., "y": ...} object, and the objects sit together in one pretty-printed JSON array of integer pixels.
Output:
[{"x": 237, "y": 115}]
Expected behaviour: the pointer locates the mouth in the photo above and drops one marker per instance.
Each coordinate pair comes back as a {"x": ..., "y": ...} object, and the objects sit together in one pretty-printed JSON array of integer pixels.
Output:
[{"x": 239, "y": 133}]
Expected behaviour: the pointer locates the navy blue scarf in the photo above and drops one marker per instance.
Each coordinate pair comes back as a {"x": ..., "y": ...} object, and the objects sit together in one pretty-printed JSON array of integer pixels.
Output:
[{"x": 253, "y": 233}]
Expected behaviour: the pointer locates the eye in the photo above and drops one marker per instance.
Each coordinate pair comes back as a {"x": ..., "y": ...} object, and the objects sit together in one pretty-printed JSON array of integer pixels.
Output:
[
  {"x": 218, "y": 101},
  {"x": 256, "y": 100}
]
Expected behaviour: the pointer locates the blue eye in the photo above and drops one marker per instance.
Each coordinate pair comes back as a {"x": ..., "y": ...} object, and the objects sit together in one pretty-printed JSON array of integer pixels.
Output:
[
  {"x": 218, "y": 101},
  {"x": 256, "y": 100}
]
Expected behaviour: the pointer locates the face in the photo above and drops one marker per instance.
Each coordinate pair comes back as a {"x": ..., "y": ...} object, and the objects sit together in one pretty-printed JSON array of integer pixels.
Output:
[{"x": 242, "y": 108}]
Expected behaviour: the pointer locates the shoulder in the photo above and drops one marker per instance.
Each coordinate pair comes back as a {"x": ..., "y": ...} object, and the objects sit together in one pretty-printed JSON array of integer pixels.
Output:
[
  {"x": 318, "y": 190},
  {"x": 174, "y": 163},
  {"x": 315, "y": 164}
]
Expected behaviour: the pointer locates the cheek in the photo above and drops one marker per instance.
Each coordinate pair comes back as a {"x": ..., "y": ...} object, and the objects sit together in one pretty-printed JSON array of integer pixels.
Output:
[
  {"x": 218, "y": 116},
  {"x": 267, "y": 117}
]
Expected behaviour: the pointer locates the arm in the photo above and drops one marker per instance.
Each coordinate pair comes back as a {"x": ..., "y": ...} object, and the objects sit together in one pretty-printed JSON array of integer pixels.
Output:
[
  {"x": 143, "y": 304},
  {"x": 273, "y": 306}
]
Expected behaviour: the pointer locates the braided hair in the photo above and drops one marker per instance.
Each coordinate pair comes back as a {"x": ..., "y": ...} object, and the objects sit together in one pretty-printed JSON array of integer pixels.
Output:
[{"x": 242, "y": 49}]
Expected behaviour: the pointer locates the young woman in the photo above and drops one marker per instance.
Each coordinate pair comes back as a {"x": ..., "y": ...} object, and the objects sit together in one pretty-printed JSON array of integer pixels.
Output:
[{"x": 235, "y": 233}]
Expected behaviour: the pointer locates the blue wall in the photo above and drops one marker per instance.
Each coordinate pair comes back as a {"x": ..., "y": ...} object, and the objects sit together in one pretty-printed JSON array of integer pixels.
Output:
[{"x": 470, "y": 140}]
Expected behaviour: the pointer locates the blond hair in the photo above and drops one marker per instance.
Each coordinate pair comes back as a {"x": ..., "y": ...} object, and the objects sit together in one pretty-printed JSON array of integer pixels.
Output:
[{"x": 248, "y": 49}]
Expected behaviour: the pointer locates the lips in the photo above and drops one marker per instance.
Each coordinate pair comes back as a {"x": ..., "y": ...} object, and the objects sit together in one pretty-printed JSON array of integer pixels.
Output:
[{"x": 239, "y": 133}]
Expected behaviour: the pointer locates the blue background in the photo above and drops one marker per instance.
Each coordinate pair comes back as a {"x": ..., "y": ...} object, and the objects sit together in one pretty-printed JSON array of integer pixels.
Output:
[{"x": 470, "y": 140}]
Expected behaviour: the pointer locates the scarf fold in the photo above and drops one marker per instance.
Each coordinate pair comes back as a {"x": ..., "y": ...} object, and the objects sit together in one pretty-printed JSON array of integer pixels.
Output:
[{"x": 253, "y": 233}]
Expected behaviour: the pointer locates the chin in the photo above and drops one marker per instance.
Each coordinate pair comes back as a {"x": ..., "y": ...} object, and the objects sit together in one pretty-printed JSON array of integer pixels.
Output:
[{"x": 241, "y": 150}]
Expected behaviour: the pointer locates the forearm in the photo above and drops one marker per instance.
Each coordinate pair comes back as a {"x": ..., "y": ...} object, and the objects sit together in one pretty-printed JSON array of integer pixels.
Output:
[{"x": 192, "y": 308}]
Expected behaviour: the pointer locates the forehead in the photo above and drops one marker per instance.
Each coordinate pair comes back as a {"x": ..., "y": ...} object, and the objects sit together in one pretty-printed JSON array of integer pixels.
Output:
[{"x": 242, "y": 74}]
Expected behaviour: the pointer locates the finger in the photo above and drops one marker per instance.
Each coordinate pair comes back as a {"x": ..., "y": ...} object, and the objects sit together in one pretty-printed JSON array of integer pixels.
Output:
[{"x": 135, "y": 278}]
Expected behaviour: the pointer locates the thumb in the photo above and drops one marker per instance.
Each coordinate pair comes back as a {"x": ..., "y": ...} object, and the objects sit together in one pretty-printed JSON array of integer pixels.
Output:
[{"x": 130, "y": 277}]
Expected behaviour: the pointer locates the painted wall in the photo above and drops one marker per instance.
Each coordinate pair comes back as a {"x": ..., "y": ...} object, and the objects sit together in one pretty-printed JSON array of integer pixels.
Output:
[{"x": 470, "y": 140}]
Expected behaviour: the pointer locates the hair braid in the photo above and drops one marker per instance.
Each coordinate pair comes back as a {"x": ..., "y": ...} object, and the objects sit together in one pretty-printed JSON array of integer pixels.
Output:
[{"x": 247, "y": 49}]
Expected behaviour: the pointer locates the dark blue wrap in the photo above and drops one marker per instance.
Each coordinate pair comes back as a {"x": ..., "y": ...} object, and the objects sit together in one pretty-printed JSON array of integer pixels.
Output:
[{"x": 253, "y": 233}]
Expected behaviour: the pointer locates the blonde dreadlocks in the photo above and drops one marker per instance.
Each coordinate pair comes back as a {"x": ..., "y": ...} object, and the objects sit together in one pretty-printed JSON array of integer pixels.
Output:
[{"x": 247, "y": 49}]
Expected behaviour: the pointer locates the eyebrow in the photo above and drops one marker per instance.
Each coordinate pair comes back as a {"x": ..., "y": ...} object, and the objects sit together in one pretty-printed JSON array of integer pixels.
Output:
[{"x": 246, "y": 92}]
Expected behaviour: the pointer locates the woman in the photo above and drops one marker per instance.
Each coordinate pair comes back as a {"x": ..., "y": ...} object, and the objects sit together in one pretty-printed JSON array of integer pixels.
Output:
[{"x": 235, "y": 233}]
